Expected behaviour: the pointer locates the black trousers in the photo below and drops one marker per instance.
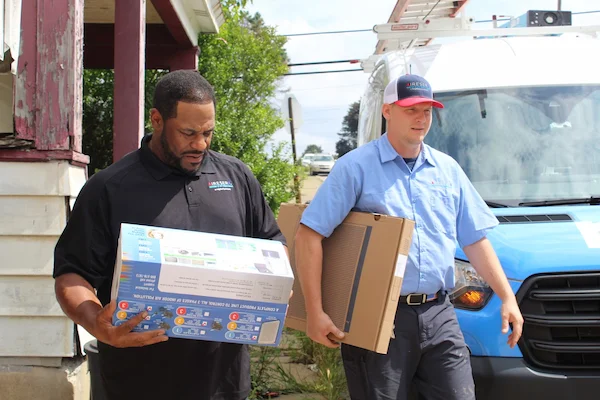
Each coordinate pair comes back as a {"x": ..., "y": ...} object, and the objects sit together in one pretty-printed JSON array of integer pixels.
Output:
[{"x": 428, "y": 353}]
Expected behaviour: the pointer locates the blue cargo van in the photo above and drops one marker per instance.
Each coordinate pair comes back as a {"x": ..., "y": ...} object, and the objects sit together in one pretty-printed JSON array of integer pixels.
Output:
[{"x": 522, "y": 118}]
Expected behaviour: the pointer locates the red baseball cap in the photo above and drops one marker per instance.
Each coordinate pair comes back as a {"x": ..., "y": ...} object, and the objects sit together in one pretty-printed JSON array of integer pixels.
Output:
[{"x": 408, "y": 90}]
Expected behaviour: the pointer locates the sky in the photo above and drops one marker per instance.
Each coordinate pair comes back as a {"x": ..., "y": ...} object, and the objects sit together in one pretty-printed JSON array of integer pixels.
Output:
[{"x": 325, "y": 98}]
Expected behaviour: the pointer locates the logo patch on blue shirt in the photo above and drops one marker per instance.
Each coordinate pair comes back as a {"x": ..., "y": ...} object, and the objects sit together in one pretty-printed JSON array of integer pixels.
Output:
[
  {"x": 441, "y": 184},
  {"x": 218, "y": 186}
]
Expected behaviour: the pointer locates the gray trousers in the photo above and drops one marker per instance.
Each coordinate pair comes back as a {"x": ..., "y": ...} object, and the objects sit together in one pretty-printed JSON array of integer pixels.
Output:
[{"x": 428, "y": 354}]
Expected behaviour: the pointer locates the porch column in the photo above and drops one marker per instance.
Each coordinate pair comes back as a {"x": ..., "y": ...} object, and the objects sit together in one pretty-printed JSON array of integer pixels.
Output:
[
  {"x": 184, "y": 59},
  {"x": 48, "y": 84},
  {"x": 130, "y": 43}
]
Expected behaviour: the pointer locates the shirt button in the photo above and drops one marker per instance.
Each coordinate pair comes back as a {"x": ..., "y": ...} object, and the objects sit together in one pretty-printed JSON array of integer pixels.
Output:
[{"x": 190, "y": 188}]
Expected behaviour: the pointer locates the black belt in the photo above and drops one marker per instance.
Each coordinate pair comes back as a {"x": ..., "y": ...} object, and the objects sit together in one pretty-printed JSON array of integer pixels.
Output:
[{"x": 417, "y": 299}]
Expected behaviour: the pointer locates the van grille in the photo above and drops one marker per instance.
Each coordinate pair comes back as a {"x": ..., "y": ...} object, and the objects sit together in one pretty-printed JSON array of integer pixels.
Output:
[{"x": 562, "y": 321}]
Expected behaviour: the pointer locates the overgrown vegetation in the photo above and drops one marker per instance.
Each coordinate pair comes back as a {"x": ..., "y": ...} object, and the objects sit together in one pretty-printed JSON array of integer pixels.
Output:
[{"x": 273, "y": 369}]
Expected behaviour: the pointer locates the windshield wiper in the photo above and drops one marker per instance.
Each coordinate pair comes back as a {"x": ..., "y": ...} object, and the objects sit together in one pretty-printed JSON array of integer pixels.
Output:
[
  {"x": 493, "y": 204},
  {"x": 593, "y": 200}
]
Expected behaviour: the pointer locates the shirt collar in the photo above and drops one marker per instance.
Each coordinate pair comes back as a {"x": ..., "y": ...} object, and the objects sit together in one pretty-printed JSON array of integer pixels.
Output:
[
  {"x": 388, "y": 153},
  {"x": 427, "y": 156},
  {"x": 159, "y": 170}
]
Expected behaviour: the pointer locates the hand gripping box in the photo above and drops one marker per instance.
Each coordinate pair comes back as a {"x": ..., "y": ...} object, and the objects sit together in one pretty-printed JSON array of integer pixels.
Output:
[
  {"x": 202, "y": 286},
  {"x": 363, "y": 268}
]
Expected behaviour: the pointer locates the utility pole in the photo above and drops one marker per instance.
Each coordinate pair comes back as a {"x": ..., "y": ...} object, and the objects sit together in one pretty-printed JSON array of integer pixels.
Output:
[
  {"x": 296, "y": 177},
  {"x": 559, "y": 5}
]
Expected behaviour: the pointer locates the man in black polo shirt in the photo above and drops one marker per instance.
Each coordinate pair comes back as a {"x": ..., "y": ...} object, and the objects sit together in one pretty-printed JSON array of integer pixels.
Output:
[{"x": 172, "y": 181}]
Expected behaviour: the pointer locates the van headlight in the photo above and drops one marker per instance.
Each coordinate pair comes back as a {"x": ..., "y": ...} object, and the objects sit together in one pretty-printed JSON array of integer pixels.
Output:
[{"x": 470, "y": 291}]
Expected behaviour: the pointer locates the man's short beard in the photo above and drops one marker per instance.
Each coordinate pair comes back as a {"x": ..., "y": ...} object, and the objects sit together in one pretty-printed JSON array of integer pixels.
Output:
[{"x": 172, "y": 159}]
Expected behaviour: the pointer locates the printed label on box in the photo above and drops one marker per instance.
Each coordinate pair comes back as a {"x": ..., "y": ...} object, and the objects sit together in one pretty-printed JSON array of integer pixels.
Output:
[{"x": 202, "y": 286}]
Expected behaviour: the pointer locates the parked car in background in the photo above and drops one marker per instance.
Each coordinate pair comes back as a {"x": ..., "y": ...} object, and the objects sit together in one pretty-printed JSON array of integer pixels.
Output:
[
  {"x": 321, "y": 163},
  {"x": 306, "y": 159}
]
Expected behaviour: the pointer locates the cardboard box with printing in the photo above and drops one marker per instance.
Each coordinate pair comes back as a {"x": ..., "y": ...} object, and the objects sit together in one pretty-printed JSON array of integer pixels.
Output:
[
  {"x": 202, "y": 286},
  {"x": 363, "y": 267}
]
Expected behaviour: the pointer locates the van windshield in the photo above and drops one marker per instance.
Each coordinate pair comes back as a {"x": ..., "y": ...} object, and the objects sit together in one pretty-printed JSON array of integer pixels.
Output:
[{"x": 523, "y": 144}]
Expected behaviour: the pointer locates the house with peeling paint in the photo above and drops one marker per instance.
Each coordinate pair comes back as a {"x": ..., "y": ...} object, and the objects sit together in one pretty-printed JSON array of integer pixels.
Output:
[{"x": 45, "y": 47}]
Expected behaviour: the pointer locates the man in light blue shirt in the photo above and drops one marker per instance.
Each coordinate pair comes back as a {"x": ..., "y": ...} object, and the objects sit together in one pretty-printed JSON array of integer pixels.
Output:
[{"x": 399, "y": 175}]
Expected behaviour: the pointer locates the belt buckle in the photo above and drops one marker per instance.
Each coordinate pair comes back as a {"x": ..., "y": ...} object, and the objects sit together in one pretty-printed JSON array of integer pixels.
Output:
[{"x": 422, "y": 300}]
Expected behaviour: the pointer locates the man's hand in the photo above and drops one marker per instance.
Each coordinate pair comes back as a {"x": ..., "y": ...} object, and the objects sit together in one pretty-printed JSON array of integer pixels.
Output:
[
  {"x": 483, "y": 258},
  {"x": 121, "y": 336},
  {"x": 512, "y": 315},
  {"x": 319, "y": 326}
]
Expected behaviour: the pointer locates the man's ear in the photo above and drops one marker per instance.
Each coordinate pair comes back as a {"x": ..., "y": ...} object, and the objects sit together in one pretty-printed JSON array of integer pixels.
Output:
[
  {"x": 157, "y": 120},
  {"x": 385, "y": 110}
]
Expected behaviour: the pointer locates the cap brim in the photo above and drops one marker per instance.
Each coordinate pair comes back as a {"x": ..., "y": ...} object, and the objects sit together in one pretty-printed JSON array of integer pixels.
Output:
[{"x": 411, "y": 101}]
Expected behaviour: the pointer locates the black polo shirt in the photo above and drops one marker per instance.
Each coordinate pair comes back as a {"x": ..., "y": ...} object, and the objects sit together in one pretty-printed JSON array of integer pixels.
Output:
[{"x": 222, "y": 197}]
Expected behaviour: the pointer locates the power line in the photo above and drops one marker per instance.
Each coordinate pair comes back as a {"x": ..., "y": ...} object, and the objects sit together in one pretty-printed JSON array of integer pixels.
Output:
[
  {"x": 586, "y": 12},
  {"x": 328, "y": 87},
  {"x": 371, "y": 30},
  {"x": 353, "y": 61},
  {"x": 327, "y": 32},
  {"x": 323, "y": 72}
]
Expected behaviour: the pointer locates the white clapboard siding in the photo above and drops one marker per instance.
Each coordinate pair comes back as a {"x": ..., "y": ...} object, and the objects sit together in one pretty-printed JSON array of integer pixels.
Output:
[
  {"x": 28, "y": 296},
  {"x": 57, "y": 178},
  {"x": 36, "y": 337},
  {"x": 27, "y": 255},
  {"x": 34, "y": 200},
  {"x": 32, "y": 215}
]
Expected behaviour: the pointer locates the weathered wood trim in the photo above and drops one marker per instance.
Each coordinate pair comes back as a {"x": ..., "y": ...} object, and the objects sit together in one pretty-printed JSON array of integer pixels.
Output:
[
  {"x": 130, "y": 44},
  {"x": 59, "y": 75},
  {"x": 12, "y": 142},
  {"x": 25, "y": 83},
  {"x": 49, "y": 83},
  {"x": 28, "y": 155}
]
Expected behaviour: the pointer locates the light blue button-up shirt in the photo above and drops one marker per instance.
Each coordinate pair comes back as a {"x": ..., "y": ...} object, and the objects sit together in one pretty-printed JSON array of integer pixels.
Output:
[{"x": 436, "y": 194}]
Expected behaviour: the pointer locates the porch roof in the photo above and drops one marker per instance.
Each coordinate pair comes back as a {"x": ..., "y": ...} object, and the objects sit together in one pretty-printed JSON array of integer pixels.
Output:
[{"x": 185, "y": 19}]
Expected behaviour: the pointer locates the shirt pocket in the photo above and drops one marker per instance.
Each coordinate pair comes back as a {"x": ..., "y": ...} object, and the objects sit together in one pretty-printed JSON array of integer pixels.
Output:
[{"x": 442, "y": 204}]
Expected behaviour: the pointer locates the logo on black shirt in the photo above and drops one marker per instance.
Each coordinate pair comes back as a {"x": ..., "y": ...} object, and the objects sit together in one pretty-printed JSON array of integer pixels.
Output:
[{"x": 218, "y": 186}]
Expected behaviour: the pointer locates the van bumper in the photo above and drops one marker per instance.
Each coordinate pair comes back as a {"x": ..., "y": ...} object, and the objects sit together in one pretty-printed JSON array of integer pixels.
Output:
[{"x": 499, "y": 378}]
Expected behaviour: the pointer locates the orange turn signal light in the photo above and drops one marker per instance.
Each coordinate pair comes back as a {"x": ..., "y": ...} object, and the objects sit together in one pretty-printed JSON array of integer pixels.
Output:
[{"x": 472, "y": 298}]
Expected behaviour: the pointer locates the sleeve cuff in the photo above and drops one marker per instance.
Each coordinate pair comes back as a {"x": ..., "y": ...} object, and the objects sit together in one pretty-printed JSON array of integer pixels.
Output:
[
  {"x": 315, "y": 226},
  {"x": 475, "y": 237}
]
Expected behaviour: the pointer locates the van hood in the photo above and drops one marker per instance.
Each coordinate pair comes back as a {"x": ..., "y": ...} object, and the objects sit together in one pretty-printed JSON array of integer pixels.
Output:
[{"x": 567, "y": 241}]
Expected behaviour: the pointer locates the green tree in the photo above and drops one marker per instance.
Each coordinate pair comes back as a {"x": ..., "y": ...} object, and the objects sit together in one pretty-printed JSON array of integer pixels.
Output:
[
  {"x": 244, "y": 63},
  {"x": 348, "y": 135},
  {"x": 97, "y": 126},
  {"x": 312, "y": 149}
]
